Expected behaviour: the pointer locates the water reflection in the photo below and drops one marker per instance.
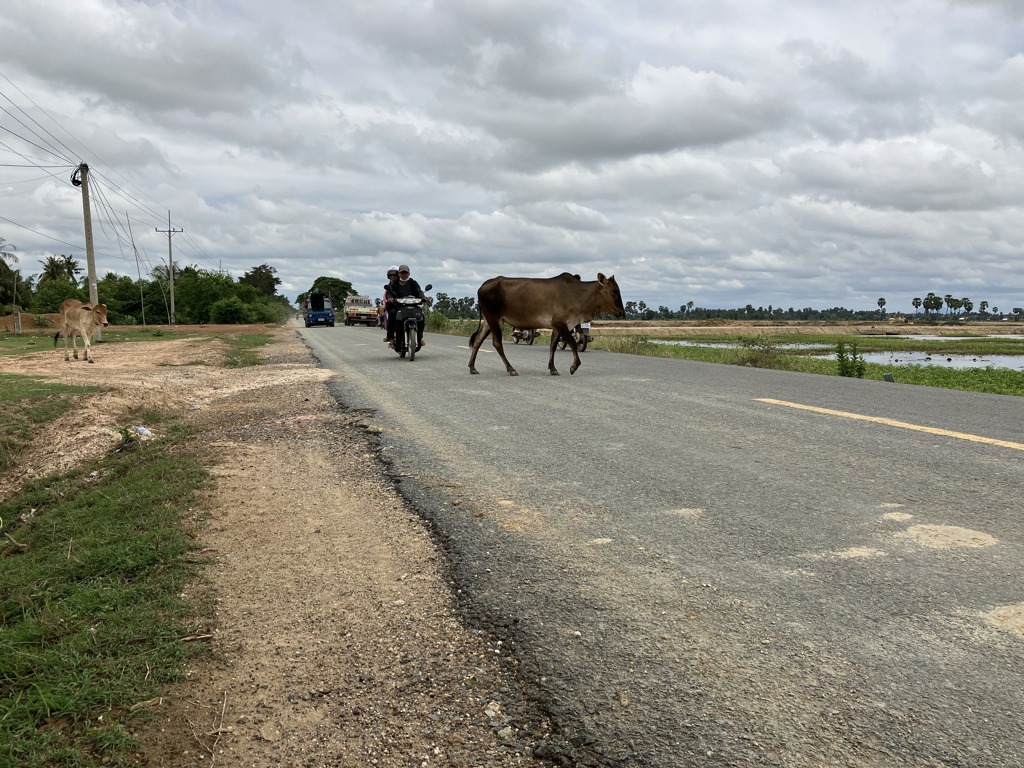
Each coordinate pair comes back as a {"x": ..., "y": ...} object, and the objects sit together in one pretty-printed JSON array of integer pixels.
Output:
[
  {"x": 1010, "y": 362},
  {"x": 826, "y": 351}
]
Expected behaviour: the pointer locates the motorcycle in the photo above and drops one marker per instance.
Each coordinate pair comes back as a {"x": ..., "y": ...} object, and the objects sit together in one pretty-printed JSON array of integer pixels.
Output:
[
  {"x": 408, "y": 316},
  {"x": 524, "y": 334}
]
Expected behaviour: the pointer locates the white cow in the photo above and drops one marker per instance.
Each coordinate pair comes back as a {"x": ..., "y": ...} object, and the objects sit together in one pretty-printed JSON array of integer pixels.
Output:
[{"x": 80, "y": 319}]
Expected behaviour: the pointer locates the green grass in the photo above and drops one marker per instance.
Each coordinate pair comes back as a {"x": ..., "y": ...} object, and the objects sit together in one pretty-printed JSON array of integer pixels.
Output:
[
  {"x": 765, "y": 351},
  {"x": 40, "y": 339},
  {"x": 93, "y": 566},
  {"x": 243, "y": 349},
  {"x": 27, "y": 404},
  {"x": 91, "y": 616}
]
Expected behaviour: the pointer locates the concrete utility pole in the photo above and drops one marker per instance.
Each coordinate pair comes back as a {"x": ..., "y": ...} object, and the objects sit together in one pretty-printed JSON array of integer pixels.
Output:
[
  {"x": 170, "y": 232},
  {"x": 82, "y": 180}
]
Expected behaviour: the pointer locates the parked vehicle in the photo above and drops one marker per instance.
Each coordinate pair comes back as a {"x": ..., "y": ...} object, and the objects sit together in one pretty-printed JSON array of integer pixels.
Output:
[
  {"x": 582, "y": 335},
  {"x": 529, "y": 335},
  {"x": 318, "y": 310},
  {"x": 407, "y": 319},
  {"x": 359, "y": 310}
]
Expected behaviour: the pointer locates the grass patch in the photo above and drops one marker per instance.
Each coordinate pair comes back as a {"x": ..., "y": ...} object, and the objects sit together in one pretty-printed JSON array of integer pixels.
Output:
[
  {"x": 26, "y": 405},
  {"x": 91, "y": 616},
  {"x": 764, "y": 352},
  {"x": 243, "y": 349}
]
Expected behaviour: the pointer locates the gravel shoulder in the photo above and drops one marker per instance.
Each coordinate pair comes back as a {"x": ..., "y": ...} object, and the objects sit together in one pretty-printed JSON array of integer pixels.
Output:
[{"x": 338, "y": 640}]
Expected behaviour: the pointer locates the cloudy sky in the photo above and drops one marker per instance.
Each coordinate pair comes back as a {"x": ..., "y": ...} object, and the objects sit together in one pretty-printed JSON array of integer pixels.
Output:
[{"x": 724, "y": 152}]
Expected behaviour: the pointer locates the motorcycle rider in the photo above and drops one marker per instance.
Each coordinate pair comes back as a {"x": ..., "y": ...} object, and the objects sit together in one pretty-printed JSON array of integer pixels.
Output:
[{"x": 401, "y": 288}]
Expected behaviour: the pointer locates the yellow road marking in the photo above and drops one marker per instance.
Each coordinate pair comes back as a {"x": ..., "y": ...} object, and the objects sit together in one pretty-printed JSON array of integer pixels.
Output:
[{"x": 894, "y": 423}]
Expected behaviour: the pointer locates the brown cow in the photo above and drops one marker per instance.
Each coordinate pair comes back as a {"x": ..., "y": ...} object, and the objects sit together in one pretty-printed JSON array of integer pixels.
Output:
[
  {"x": 80, "y": 319},
  {"x": 559, "y": 303}
]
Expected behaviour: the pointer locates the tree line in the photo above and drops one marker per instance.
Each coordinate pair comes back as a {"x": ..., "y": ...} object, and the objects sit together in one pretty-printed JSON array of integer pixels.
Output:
[
  {"x": 200, "y": 295},
  {"x": 466, "y": 308}
]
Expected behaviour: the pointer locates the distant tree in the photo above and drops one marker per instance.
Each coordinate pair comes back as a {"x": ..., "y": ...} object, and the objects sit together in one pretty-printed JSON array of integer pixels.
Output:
[
  {"x": 7, "y": 252},
  {"x": 71, "y": 267},
  {"x": 948, "y": 298},
  {"x": 334, "y": 287},
  {"x": 11, "y": 277},
  {"x": 230, "y": 310},
  {"x": 53, "y": 268},
  {"x": 50, "y": 295},
  {"x": 983, "y": 308},
  {"x": 917, "y": 304},
  {"x": 263, "y": 278},
  {"x": 966, "y": 304},
  {"x": 881, "y": 307}
]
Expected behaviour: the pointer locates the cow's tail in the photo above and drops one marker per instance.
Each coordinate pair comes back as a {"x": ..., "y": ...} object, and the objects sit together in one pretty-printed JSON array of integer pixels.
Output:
[{"x": 55, "y": 337}]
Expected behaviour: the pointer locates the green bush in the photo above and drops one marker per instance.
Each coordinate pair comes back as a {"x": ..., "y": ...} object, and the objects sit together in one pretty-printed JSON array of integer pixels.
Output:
[
  {"x": 230, "y": 310},
  {"x": 850, "y": 363}
]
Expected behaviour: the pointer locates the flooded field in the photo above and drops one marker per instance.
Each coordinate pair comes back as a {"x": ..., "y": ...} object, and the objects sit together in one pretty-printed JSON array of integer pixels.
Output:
[{"x": 1014, "y": 362}]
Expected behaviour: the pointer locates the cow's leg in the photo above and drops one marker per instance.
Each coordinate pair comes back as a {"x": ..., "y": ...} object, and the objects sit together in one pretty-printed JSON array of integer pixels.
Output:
[
  {"x": 474, "y": 342},
  {"x": 566, "y": 335},
  {"x": 66, "y": 332},
  {"x": 500, "y": 348},
  {"x": 87, "y": 348},
  {"x": 558, "y": 333}
]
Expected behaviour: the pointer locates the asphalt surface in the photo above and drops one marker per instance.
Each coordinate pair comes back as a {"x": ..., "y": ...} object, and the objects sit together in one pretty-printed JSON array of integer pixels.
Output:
[{"x": 693, "y": 569}]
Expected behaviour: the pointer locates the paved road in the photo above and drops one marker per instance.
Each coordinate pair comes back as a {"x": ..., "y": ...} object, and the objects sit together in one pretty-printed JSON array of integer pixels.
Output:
[{"x": 694, "y": 568}]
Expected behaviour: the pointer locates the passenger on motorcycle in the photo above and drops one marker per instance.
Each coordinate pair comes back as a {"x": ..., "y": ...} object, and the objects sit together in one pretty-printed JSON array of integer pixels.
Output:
[
  {"x": 382, "y": 311},
  {"x": 400, "y": 288}
]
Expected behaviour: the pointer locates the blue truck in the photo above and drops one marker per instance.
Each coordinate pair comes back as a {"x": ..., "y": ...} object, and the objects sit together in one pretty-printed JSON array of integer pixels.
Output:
[{"x": 319, "y": 310}]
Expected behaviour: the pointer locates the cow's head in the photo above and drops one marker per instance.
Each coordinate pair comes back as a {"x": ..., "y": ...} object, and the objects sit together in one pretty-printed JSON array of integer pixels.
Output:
[
  {"x": 100, "y": 313},
  {"x": 609, "y": 299}
]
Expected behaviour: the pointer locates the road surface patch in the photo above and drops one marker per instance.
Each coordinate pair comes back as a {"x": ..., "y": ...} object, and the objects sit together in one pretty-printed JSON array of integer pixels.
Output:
[{"x": 895, "y": 423}]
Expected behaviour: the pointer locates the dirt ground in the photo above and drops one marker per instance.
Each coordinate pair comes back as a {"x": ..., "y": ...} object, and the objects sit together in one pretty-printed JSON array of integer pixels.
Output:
[{"x": 336, "y": 639}]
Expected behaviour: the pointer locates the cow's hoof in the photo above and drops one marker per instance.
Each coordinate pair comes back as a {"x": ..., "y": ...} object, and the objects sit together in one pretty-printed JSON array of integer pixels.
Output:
[
  {"x": 513, "y": 372},
  {"x": 474, "y": 370},
  {"x": 555, "y": 373},
  {"x": 573, "y": 369}
]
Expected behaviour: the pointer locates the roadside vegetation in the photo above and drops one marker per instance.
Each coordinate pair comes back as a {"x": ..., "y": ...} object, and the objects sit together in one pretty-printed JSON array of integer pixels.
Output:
[
  {"x": 102, "y": 597},
  {"x": 845, "y": 357},
  {"x": 843, "y": 354}
]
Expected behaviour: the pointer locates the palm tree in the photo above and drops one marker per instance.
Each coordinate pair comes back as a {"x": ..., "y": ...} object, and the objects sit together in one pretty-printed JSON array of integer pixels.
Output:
[
  {"x": 53, "y": 269},
  {"x": 71, "y": 267},
  {"x": 881, "y": 308},
  {"x": 7, "y": 255},
  {"x": 917, "y": 304}
]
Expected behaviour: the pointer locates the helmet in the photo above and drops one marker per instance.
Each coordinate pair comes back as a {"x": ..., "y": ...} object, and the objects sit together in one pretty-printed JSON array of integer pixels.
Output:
[{"x": 404, "y": 268}]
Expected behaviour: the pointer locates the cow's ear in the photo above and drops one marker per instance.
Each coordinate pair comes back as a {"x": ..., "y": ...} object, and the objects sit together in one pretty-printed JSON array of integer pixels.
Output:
[{"x": 600, "y": 277}]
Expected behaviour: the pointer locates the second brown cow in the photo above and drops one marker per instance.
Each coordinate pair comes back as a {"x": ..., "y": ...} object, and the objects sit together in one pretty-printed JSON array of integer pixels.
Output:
[{"x": 559, "y": 303}]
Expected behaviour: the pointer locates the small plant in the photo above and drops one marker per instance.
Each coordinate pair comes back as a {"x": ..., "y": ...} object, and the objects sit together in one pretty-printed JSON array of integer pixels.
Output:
[
  {"x": 435, "y": 321},
  {"x": 758, "y": 353},
  {"x": 41, "y": 321},
  {"x": 850, "y": 363}
]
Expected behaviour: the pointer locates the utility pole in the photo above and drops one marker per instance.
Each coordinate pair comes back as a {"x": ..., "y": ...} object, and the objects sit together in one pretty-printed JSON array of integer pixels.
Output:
[
  {"x": 170, "y": 232},
  {"x": 80, "y": 178}
]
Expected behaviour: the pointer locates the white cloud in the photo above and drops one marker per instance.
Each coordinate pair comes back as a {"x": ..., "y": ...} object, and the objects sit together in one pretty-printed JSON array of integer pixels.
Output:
[{"x": 729, "y": 153}]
